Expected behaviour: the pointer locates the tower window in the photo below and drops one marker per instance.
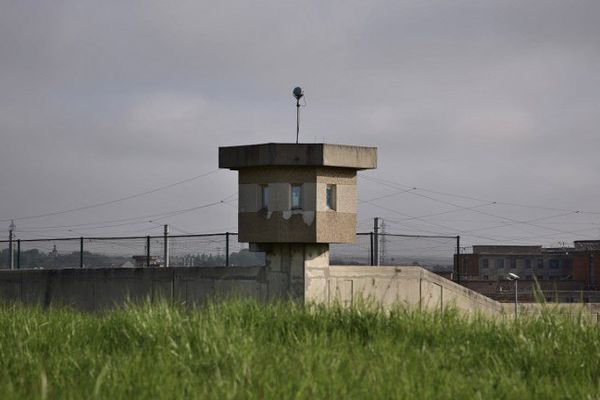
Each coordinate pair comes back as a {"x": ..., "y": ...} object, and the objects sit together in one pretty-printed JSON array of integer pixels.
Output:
[
  {"x": 296, "y": 197},
  {"x": 330, "y": 197},
  {"x": 264, "y": 197}
]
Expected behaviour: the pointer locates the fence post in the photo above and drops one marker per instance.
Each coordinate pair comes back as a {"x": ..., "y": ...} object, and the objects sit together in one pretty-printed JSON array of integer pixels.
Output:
[
  {"x": 18, "y": 253},
  {"x": 81, "y": 252},
  {"x": 166, "y": 246},
  {"x": 371, "y": 248},
  {"x": 11, "y": 250},
  {"x": 227, "y": 249},
  {"x": 147, "y": 251},
  {"x": 376, "y": 241},
  {"x": 458, "y": 259}
]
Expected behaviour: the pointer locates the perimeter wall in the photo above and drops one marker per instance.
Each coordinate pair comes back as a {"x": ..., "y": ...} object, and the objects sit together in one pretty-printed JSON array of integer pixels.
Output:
[{"x": 97, "y": 289}]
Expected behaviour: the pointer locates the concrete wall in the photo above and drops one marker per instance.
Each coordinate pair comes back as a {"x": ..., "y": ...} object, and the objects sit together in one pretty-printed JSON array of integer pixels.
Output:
[
  {"x": 293, "y": 271},
  {"x": 97, "y": 289},
  {"x": 410, "y": 286},
  {"x": 282, "y": 278}
]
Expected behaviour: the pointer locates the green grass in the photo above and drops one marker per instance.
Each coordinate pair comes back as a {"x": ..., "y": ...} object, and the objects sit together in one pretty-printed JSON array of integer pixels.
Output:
[{"x": 278, "y": 351}]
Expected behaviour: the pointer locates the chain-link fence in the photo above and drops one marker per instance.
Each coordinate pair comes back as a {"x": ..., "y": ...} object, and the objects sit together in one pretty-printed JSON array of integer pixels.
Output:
[
  {"x": 222, "y": 249},
  {"x": 543, "y": 296},
  {"x": 357, "y": 253},
  {"x": 432, "y": 252}
]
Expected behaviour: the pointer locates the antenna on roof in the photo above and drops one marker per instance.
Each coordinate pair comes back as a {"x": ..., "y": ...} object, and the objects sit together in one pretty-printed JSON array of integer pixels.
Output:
[{"x": 298, "y": 93}]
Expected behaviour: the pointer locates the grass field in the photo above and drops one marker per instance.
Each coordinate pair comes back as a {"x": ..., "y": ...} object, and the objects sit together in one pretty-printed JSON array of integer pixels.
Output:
[{"x": 279, "y": 351}]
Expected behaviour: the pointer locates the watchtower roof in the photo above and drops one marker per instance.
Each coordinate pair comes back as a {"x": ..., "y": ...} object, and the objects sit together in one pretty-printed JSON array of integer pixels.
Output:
[{"x": 298, "y": 154}]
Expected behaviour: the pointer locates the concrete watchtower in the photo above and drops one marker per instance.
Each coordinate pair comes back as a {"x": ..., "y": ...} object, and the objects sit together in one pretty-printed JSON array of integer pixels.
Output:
[{"x": 295, "y": 199}]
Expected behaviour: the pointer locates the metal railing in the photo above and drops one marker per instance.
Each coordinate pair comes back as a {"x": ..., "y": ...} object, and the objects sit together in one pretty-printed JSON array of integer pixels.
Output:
[
  {"x": 373, "y": 248},
  {"x": 217, "y": 249},
  {"x": 530, "y": 295}
]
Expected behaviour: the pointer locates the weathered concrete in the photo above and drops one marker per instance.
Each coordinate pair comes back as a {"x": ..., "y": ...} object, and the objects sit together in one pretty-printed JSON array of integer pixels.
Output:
[
  {"x": 97, "y": 289},
  {"x": 303, "y": 154},
  {"x": 297, "y": 226},
  {"x": 293, "y": 271},
  {"x": 286, "y": 264},
  {"x": 275, "y": 169},
  {"x": 389, "y": 286},
  {"x": 314, "y": 222}
]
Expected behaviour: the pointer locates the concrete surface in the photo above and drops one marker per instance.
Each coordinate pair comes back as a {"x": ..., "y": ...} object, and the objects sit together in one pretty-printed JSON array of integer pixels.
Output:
[
  {"x": 313, "y": 167},
  {"x": 97, "y": 289},
  {"x": 314, "y": 222},
  {"x": 293, "y": 271},
  {"x": 286, "y": 264},
  {"x": 388, "y": 286},
  {"x": 302, "y": 154}
]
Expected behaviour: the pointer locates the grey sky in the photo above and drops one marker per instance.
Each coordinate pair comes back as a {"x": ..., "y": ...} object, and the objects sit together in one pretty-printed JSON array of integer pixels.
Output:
[{"x": 493, "y": 100}]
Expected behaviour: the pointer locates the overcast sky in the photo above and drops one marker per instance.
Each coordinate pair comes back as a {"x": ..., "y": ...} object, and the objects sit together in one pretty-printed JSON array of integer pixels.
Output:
[{"x": 494, "y": 101}]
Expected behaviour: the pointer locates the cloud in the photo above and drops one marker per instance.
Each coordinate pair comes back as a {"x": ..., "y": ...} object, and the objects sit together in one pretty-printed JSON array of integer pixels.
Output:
[{"x": 494, "y": 99}]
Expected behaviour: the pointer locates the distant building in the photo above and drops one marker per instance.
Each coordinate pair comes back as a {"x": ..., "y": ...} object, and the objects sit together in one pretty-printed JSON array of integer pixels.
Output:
[
  {"x": 127, "y": 264},
  {"x": 142, "y": 261},
  {"x": 560, "y": 273},
  {"x": 586, "y": 262},
  {"x": 495, "y": 262}
]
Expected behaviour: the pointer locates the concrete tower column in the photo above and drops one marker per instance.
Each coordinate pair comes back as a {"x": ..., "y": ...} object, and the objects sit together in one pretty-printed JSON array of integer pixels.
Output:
[{"x": 286, "y": 264}]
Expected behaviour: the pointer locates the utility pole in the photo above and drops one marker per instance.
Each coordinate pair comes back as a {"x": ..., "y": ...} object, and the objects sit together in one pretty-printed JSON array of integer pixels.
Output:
[
  {"x": 457, "y": 259},
  {"x": 376, "y": 240},
  {"x": 227, "y": 249},
  {"x": 166, "y": 246},
  {"x": 11, "y": 253}
]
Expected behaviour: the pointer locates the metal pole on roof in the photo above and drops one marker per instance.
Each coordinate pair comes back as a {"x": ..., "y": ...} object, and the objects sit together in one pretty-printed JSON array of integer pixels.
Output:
[{"x": 298, "y": 93}]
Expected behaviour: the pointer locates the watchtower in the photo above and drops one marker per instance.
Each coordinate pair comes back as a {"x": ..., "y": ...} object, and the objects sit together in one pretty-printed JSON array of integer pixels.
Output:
[{"x": 295, "y": 199}]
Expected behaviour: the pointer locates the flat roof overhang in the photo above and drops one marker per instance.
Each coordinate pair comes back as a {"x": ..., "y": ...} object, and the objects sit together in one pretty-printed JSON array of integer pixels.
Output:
[{"x": 298, "y": 154}]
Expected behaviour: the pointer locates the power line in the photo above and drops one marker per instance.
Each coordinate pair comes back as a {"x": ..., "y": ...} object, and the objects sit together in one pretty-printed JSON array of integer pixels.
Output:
[
  {"x": 161, "y": 217},
  {"x": 514, "y": 221},
  {"x": 105, "y": 203},
  {"x": 92, "y": 225},
  {"x": 469, "y": 232},
  {"x": 412, "y": 188}
]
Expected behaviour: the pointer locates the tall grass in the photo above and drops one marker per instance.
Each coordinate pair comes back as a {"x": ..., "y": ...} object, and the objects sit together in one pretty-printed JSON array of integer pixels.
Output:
[{"x": 248, "y": 350}]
